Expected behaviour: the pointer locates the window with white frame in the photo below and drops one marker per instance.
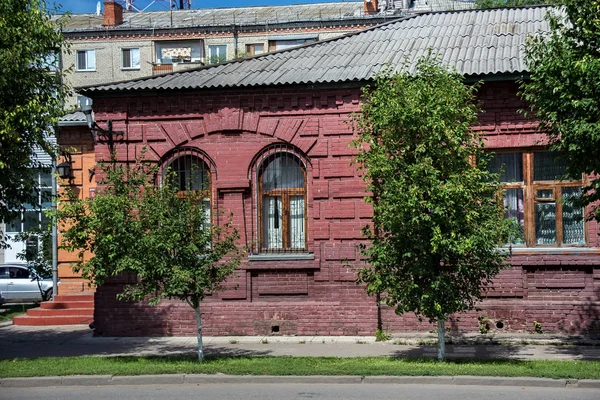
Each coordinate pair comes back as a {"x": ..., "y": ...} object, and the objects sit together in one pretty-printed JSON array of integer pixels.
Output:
[
  {"x": 217, "y": 53},
  {"x": 33, "y": 215},
  {"x": 179, "y": 51},
  {"x": 541, "y": 205},
  {"x": 282, "y": 202},
  {"x": 130, "y": 58},
  {"x": 86, "y": 60},
  {"x": 51, "y": 61}
]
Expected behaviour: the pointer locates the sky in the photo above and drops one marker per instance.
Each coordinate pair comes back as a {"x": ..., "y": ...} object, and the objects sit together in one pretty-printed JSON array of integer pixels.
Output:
[{"x": 89, "y": 6}]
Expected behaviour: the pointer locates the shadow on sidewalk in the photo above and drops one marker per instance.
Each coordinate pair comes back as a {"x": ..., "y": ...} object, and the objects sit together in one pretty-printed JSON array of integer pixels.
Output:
[
  {"x": 475, "y": 351},
  {"x": 71, "y": 341},
  {"x": 589, "y": 353},
  {"x": 214, "y": 351}
]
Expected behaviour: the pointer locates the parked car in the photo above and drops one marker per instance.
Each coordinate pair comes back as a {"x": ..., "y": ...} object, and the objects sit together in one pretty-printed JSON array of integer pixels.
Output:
[{"x": 19, "y": 283}]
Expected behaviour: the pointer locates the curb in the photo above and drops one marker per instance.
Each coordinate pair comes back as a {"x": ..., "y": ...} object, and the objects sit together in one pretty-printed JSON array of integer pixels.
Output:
[{"x": 170, "y": 379}]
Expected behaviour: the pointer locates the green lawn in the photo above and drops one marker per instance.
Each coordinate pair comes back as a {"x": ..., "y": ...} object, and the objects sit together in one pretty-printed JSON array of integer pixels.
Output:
[
  {"x": 8, "y": 312},
  {"x": 295, "y": 366}
]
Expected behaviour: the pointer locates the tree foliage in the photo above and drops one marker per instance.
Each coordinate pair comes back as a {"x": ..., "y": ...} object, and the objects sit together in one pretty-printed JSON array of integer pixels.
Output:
[
  {"x": 157, "y": 233},
  {"x": 31, "y": 96},
  {"x": 437, "y": 217},
  {"x": 563, "y": 89}
]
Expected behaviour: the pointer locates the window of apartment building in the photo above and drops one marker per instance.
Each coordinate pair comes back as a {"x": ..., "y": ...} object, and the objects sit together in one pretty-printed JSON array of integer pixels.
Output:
[
  {"x": 33, "y": 216},
  {"x": 282, "y": 202},
  {"x": 286, "y": 42},
  {"x": 51, "y": 61},
  {"x": 130, "y": 58},
  {"x": 86, "y": 60},
  {"x": 188, "y": 170},
  {"x": 217, "y": 53},
  {"x": 180, "y": 51},
  {"x": 537, "y": 201},
  {"x": 255, "y": 49}
]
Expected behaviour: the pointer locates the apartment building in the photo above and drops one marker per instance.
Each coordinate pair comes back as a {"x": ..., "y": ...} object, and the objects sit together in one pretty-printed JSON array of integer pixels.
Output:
[{"x": 117, "y": 45}]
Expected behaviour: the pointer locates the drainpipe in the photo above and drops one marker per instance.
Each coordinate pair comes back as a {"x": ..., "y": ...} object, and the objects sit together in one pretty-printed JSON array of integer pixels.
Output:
[
  {"x": 235, "y": 40},
  {"x": 54, "y": 232}
]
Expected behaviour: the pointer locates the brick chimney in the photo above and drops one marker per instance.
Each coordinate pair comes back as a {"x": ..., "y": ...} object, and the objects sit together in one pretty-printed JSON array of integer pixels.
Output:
[
  {"x": 371, "y": 7},
  {"x": 113, "y": 13}
]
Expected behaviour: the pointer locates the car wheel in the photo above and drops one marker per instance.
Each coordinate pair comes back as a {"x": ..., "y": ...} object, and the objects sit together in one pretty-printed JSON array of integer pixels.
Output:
[{"x": 47, "y": 294}]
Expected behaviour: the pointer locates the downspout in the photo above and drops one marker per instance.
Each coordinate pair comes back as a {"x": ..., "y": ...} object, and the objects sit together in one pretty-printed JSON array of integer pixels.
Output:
[
  {"x": 235, "y": 41},
  {"x": 54, "y": 232}
]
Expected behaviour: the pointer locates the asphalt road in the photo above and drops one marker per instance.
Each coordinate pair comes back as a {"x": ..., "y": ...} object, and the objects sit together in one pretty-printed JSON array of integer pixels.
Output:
[{"x": 284, "y": 391}]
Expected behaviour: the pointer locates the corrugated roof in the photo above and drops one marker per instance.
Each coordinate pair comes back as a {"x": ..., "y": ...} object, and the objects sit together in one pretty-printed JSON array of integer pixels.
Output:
[
  {"x": 475, "y": 42},
  {"x": 221, "y": 16},
  {"x": 74, "y": 118},
  {"x": 249, "y": 15}
]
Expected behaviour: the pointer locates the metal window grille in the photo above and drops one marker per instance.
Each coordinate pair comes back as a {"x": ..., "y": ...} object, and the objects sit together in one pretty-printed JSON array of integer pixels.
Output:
[
  {"x": 188, "y": 170},
  {"x": 282, "y": 201}
]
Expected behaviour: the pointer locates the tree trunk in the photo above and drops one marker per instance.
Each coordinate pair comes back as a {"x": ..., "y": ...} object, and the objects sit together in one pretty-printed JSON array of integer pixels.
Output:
[
  {"x": 379, "y": 319},
  {"x": 441, "y": 339},
  {"x": 199, "y": 333}
]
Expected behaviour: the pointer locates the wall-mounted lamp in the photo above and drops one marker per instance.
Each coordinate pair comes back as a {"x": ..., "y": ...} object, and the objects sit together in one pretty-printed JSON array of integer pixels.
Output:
[
  {"x": 97, "y": 130},
  {"x": 65, "y": 168}
]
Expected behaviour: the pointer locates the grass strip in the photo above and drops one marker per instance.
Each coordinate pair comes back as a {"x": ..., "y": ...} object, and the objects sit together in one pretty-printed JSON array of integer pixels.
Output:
[
  {"x": 360, "y": 366},
  {"x": 9, "y": 312}
]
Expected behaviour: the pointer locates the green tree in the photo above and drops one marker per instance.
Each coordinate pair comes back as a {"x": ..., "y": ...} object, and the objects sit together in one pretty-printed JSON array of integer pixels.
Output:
[
  {"x": 563, "y": 90},
  {"x": 158, "y": 233},
  {"x": 438, "y": 218},
  {"x": 31, "y": 97}
]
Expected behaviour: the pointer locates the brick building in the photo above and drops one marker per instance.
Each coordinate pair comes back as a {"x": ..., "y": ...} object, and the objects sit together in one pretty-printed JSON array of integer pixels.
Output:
[{"x": 273, "y": 133}]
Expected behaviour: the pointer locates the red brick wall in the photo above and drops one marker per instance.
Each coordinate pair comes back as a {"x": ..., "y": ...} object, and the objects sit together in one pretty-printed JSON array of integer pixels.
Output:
[{"x": 308, "y": 297}]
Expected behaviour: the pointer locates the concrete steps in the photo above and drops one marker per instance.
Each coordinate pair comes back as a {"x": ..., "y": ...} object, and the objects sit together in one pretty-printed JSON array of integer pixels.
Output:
[{"x": 65, "y": 309}]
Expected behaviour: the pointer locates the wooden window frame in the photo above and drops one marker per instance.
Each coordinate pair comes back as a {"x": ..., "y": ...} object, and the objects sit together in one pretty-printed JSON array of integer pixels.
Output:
[
  {"x": 530, "y": 189},
  {"x": 285, "y": 194},
  {"x": 205, "y": 194},
  {"x": 251, "y": 48}
]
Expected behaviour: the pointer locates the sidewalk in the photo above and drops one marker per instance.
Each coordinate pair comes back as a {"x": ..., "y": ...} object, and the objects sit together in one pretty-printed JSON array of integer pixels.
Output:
[{"x": 66, "y": 341}]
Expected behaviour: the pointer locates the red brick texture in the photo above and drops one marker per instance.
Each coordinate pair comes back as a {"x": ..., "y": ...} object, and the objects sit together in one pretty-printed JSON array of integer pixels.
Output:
[{"x": 319, "y": 296}]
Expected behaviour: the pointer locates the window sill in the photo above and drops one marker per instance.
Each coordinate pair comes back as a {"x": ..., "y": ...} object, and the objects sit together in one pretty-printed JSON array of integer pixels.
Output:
[
  {"x": 552, "y": 250},
  {"x": 130, "y": 69},
  {"x": 281, "y": 256},
  {"x": 85, "y": 70}
]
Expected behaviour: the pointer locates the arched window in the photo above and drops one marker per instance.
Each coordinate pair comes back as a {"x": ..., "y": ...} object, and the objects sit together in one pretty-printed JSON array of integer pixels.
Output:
[
  {"x": 282, "y": 202},
  {"x": 188, "y": 170}
]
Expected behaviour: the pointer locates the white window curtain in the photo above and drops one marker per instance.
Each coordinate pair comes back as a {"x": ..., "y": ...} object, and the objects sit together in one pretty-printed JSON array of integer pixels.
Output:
[
  {"x": 206, "y": 206},
  {"x": 297, "y": 222},
  {"x": 514, "y": 210},
  {"x": 272, "y": 222}
]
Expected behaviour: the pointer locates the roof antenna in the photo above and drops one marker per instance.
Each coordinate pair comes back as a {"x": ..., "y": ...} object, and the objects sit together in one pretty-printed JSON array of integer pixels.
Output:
[{"x": 98, "y": 7}]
